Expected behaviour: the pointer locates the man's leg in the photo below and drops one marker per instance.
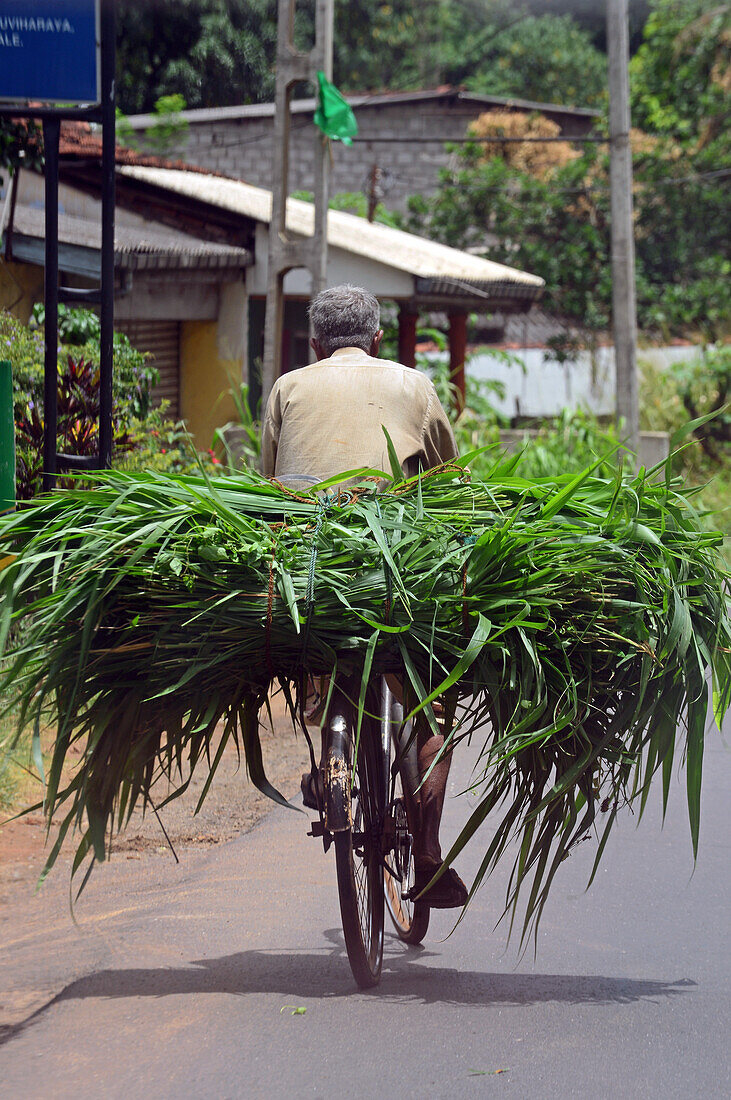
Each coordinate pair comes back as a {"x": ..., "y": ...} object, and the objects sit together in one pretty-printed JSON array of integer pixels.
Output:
[
  {"x": 426, "y": 805},
  {"x": 449, "y": 891},
  {"x": 427, "y": 848}
]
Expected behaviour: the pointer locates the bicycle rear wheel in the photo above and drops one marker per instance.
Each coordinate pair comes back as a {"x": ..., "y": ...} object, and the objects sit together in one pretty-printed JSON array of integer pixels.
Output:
[
  {"x": 410, "y": 919},
  {"x": 360, "y": 866}
]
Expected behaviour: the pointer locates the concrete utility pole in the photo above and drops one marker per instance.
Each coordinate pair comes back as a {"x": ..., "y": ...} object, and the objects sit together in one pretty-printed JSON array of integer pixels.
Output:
[
  {"x": 624, "y": 309},
  {"x": 285, "y": 252}
]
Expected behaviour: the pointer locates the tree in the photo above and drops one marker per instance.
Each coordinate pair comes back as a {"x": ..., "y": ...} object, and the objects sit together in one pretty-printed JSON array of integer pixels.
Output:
[
  {"x": 535, "y": 157},
  {"x": 681, "y": 93},
  {"x": 553, "y": 218},
  {"x": 21, "y": 144},
  {"x": 212, "y": 52},
  {"x": 554, "y": 226},
  {"x": 548, "y": 58},
  {"x": 680, "y": 74},
  {"x": 222, "y": 52}
]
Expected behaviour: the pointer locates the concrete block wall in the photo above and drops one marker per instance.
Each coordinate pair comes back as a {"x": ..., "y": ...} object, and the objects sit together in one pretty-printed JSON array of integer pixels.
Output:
[{"x": 242, "y": 148}]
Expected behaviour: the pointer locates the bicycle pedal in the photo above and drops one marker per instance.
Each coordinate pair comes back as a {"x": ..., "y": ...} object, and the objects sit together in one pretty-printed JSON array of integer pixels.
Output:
[{"x": 318, "y": 829}]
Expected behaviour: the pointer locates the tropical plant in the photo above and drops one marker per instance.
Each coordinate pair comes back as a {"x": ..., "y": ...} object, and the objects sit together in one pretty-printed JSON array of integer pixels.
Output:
[
  {"x": 77, "y": 406},
  {"x": 568, "y": 444},
  {"x": 76, "y": 327},
  {"x": 239, "y": 441},
  {"x": 667, "y": 397},
  {"x": 579, "y": 614},
  {"x": 134, "y": 373}
]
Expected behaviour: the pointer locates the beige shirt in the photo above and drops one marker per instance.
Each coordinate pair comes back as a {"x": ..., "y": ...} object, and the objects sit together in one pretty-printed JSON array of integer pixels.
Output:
[{"x": 326, "y": 418}]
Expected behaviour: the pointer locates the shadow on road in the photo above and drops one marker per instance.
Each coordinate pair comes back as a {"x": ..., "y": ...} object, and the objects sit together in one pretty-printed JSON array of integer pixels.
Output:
[{"x": 325, "y": 974}]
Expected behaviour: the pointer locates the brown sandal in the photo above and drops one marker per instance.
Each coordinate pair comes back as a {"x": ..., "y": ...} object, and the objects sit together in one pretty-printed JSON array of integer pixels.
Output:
[{"x": 448, "y": 892}]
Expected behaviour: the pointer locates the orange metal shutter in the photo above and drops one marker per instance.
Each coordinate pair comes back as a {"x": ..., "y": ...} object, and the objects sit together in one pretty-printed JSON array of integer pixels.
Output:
[{"x": 162, "y": 340}]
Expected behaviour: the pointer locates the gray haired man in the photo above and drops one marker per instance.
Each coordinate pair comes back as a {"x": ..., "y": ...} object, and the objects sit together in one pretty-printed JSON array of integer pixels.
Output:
[{"x": 327, "y": 418}]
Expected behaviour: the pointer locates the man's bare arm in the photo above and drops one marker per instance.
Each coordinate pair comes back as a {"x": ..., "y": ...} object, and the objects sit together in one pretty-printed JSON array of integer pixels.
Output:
[{"x": 270, "y": 435}]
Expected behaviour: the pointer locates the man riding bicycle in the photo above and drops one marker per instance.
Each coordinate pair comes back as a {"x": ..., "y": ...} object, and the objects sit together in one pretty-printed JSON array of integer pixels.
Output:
[{"x": 328, "y": 417}]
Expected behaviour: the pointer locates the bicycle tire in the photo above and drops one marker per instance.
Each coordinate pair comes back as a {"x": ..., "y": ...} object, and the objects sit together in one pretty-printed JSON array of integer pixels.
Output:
[
  {"x": 359, "y": 866},
  {"x": 410, "y": 919}
]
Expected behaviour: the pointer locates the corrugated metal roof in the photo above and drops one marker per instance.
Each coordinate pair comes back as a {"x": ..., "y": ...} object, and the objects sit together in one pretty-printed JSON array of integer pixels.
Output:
[
  {"x": 393, "y": 248},
  {"x": 366, "y": 99},
  {"x": 135, "y": 248}
]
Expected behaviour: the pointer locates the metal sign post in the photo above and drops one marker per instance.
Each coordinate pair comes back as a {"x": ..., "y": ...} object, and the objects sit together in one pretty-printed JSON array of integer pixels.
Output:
[
  {"x": 63, "y": 51},
  {"x": 7, "y": 440}
]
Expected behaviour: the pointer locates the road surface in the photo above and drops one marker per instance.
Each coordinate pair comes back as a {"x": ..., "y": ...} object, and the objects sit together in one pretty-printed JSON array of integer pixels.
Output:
[{"x": 181, "y": 981}]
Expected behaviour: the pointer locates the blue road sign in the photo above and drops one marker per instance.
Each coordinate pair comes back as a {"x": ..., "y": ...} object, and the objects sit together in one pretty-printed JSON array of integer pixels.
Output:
[{"x": 49, "y": 51}]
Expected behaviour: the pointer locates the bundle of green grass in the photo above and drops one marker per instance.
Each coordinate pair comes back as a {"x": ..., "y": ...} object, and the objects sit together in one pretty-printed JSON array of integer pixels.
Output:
[{"x": 574, "y": 623}]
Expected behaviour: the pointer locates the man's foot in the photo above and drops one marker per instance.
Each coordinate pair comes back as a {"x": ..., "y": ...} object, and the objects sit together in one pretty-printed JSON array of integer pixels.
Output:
[
  {"x": 449, "y": 892},
  {"x": 312, "y": 790}
]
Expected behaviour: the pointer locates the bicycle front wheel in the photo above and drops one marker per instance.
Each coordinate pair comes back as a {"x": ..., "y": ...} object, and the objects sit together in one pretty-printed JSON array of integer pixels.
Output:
[{"x": 360, "y": 866}]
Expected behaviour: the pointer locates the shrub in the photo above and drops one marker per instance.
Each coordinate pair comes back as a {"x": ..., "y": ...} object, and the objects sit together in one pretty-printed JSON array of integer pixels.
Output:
[
  {"x": 143, "y": 437},
  {"x": 134, "y": 371}
]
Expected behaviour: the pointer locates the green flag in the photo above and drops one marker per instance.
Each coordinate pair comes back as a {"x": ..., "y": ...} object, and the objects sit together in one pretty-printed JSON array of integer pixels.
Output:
[{"x": 333, "y": 115}]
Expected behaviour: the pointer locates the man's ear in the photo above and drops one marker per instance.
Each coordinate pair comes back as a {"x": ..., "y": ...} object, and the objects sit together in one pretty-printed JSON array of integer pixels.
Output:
[
  {"x": 375, "y": 345},
  {"x": 317, "y": 348}
]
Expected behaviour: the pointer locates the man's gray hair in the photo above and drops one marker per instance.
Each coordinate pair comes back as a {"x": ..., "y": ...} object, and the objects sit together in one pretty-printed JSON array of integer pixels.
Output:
[{"x": 345, "y": 317}]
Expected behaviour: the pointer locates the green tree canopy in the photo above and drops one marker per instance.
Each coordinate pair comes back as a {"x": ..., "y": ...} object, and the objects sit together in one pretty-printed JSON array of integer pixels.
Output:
[
  {"x": 212, "y": 52},
  {"x": 680, "y": 74},
  {"x": 549, "y": 58},
  {"x": 222, "y": 52}
]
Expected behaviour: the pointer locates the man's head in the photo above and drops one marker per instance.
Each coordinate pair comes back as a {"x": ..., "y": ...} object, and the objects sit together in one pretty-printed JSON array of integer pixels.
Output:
[{"x": 345, "y": 317}]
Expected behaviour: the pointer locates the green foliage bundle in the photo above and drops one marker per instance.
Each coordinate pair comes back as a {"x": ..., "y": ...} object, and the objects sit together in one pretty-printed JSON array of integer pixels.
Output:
[{"x": 579, "y": 616}]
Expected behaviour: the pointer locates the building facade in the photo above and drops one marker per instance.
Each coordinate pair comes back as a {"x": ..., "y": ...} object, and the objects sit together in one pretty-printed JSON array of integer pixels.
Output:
[{"x": 399, "y": 150}]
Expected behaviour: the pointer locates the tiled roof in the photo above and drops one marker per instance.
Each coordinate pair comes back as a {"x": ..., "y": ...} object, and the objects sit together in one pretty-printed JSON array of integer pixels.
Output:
[
  {"x": 79, "y": 140},
  {"x": 447, "y": 270},
  {"x": 135, "y": 248}
]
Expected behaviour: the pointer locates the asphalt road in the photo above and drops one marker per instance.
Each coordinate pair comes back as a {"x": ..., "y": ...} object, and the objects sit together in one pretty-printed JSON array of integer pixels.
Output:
[{"x": 181, "y": 981}]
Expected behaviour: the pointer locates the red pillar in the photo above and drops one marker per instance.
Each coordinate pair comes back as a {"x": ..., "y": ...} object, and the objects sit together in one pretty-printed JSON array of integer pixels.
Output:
[
  {"x": 407, "y": 337},
  {"x": 458, "y": 352}
]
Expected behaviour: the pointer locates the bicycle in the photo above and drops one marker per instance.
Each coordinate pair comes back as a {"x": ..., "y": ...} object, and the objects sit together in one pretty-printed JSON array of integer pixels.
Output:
[{"x": 365, "y": 814}]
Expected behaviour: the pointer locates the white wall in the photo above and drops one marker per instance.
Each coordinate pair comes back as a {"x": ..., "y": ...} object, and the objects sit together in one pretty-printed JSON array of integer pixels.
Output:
[{"x": 544, "y": 387}]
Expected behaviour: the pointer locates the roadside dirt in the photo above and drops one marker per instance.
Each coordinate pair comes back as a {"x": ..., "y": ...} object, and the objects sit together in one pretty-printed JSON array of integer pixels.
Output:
[{"x": 233, "y": 806}]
